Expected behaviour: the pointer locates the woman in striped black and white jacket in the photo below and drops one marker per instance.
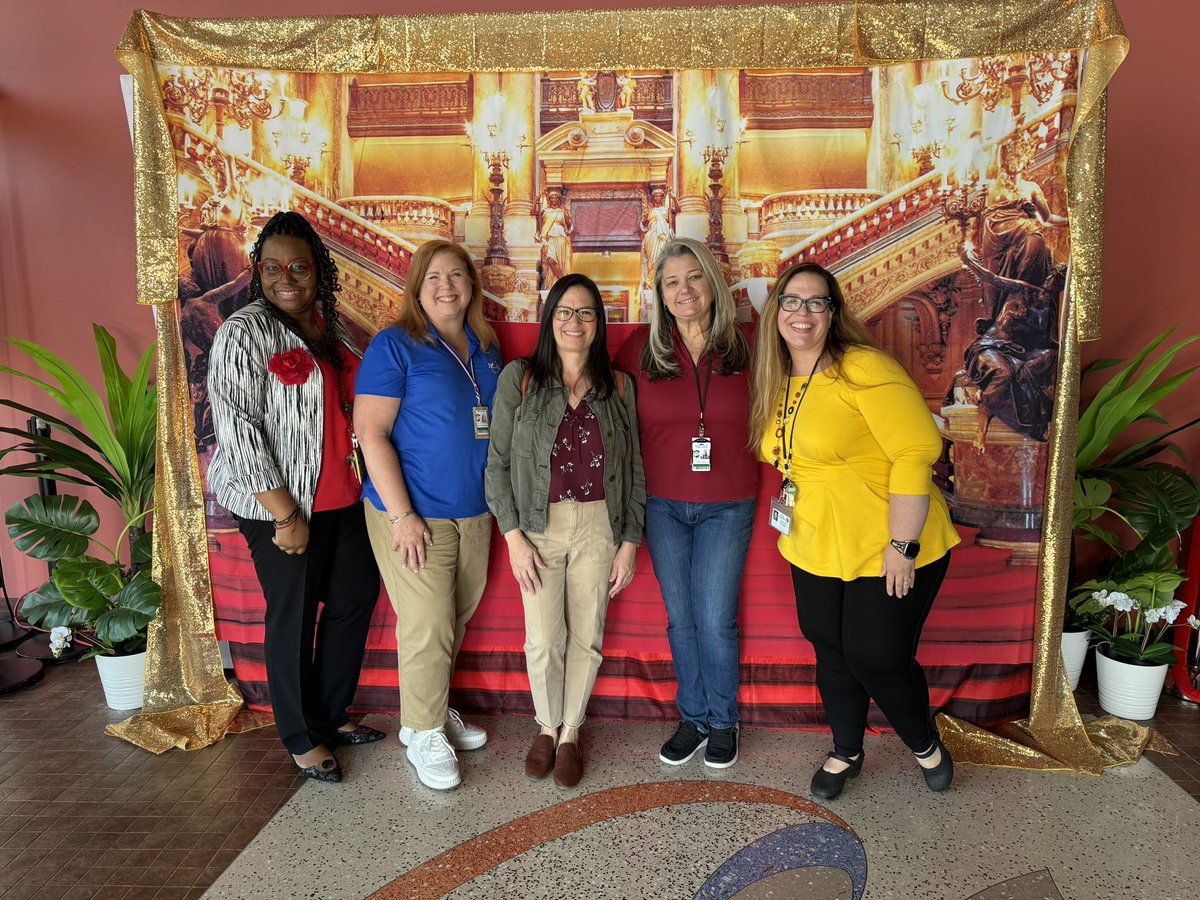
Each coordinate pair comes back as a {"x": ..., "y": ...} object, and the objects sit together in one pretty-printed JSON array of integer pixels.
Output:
[{"x": 281, "y": 384}]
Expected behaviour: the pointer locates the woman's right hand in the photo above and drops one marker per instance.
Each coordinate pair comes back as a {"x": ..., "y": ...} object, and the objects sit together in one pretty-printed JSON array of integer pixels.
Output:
[
  {"x": 524, "y": 559},
  {"x": 410, "y": 537},
  {"x": 292, "y": 540}
]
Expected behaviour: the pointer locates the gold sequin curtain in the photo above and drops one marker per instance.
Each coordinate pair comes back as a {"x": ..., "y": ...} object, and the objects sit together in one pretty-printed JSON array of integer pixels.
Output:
[{"x": 188, "y": 703}]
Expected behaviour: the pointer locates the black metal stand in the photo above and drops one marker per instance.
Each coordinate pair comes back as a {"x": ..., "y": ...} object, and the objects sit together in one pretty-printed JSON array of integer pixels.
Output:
[{"x": 15, "y": 673}]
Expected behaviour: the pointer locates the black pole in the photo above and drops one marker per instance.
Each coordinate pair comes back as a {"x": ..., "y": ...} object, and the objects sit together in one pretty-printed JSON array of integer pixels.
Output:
[{"x": 47, "y": 487}]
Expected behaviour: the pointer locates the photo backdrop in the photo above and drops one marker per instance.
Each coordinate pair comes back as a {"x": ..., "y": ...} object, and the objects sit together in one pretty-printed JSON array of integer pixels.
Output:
[{"x": 937, "y": 186}]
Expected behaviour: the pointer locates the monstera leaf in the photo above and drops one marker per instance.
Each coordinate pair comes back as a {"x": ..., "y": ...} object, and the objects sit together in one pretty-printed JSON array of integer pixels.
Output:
[
  {"x": 52, "y": 528},
  {"x": 87, "y": 582},
  {"x": 134, "y": 608},
  {"x": 1157, "y": 499},
  {"x": 46, "y": 608}
]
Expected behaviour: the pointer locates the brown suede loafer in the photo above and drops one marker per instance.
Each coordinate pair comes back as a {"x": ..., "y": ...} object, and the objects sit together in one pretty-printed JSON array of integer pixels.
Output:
[
  {"x": 541, "y": 757},
  {"x": 568, "y": 765}
]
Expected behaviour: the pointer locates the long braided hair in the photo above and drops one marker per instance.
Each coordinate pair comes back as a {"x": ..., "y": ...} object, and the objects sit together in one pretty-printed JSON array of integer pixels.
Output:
[{"x": 292, "y": 224}]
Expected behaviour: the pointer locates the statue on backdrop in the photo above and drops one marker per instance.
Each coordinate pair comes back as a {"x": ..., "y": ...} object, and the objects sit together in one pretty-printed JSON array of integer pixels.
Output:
[
  {"x": 658, "y": 228},
  {"x": 213, "y": 286},
  {"x": 587, "y": 91},
  {"x": 626, "y": 85},
  {"x": 1008, "y": 370},
  {"x": 1015, "y": 217},
  {"x": 554, "y": 233}
]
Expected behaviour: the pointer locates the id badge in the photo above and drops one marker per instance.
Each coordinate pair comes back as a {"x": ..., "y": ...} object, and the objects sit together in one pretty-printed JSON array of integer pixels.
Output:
[
  {"x": 701, "y": 454},
  {"x": 781, "y": 515},
  {"x": 479, "y": 419}
]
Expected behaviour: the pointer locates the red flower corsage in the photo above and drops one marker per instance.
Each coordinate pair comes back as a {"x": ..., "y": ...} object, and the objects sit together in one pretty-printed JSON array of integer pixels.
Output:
[{"x": 292, "y": 367}]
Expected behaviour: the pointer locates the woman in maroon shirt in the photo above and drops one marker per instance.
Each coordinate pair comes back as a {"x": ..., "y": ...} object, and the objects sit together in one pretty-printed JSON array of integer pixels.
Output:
[
  {"x": 564, "y": 480},
  {"x": 693, "y": 395}
]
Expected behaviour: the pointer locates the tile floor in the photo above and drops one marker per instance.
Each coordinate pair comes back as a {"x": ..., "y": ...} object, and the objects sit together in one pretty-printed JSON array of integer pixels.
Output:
[{"x": 85, "y": 815}]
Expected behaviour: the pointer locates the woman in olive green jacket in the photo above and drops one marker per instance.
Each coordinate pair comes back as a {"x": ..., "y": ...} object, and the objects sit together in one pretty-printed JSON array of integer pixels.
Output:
[{"x": 564, "y": 480}]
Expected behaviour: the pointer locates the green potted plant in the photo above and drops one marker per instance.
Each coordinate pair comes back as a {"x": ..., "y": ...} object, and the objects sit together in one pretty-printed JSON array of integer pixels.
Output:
[
  {"x": 1129, "y": 606},
  {"x": 107, "y": 600}
]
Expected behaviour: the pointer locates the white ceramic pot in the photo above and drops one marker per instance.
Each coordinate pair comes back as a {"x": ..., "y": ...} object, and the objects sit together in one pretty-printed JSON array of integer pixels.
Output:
[
  {"x": 1074, "y": 652},
  {"x": 1129, "y": 690},
  {"x": 124, "y": 679}
]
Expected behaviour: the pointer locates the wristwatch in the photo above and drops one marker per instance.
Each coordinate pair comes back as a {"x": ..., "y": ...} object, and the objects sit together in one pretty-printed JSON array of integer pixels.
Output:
[{"x": 907, "y": 549}]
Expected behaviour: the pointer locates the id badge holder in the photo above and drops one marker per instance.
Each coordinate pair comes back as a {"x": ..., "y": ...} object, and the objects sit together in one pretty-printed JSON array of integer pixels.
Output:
[
  {"x": 701, "y": 454},
  {"x": 481, "y": 423},
  {"x": 781, "y": 515},
  {"x": 782, "y": 507}
]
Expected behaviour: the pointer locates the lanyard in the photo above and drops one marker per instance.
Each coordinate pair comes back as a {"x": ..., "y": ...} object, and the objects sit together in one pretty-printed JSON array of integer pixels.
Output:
[
  {"x": 469, "y": 372},
  {"x": 702, "y": 396},
  {"x": 787, "y": 436}
]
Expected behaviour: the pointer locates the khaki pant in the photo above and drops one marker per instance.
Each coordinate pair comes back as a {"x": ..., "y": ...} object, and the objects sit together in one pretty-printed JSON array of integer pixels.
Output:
[
  {"x": 432, "y": 607},
  {"x": 564, "y": 621}
]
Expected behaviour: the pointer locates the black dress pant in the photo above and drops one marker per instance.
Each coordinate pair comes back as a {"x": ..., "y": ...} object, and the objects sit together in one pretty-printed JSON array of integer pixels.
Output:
[
  {"x": 866, "y": 645},
  {"x": 313, "y": 669}
]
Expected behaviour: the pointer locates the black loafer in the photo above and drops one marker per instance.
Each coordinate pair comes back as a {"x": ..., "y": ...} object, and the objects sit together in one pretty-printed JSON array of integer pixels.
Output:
[
  {"x": 939, "y": 777},
  {"x": 360, "y": 735},
  {"x": 326, "y": 770},
  {"x": 828, "y": 785}
]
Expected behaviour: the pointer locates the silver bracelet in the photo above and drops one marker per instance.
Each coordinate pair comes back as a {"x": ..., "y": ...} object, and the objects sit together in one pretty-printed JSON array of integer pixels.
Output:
[{"x": 392, "y": 520}]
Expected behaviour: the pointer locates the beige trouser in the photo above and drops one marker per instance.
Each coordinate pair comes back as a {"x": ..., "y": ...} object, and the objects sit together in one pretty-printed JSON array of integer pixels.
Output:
[
  {"x": 564, "y": 621},
  {"x": 432, "y": 607}
]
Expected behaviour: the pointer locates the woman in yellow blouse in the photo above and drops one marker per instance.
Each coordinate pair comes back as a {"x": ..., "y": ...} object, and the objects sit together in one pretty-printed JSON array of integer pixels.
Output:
[{"x": 866, "y": 531}]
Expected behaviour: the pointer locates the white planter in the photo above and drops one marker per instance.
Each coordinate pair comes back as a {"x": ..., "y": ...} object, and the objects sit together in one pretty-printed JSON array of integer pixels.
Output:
[
  {"x": 124, "y": 679},
  {"x": 1074, "y": 652},
  {"x": 1128, "y": 690}
]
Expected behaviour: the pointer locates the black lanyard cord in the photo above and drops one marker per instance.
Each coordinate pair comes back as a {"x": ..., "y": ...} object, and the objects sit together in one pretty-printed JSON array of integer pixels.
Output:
[
  {"x": 702, "y": 397},
  {"x": 787, "y": 438}
]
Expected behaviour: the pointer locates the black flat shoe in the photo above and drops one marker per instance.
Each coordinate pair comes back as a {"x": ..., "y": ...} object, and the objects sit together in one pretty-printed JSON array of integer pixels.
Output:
[
  {"x": 939, "y": 777},
  {"x": 360, "y": 735},
  {"x": 326, "y": 770},
  {"x": 828, "y": 785}
]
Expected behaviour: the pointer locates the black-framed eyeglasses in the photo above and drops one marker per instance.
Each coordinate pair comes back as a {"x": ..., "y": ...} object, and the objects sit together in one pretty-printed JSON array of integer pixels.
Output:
[
  {"x": 299, "y": 269},
  {"x": 583, "y": 314},
  {"x": 815, "y": 305}
]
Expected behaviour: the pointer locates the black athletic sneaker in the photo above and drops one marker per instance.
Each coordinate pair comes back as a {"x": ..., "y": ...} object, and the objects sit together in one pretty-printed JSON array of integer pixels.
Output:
[
  {"x": 683, "y": 744},
  {"x": 722, "y": 749}
]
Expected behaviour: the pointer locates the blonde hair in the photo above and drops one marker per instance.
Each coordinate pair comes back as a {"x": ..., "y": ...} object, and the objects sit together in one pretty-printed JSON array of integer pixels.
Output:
[
  {"x": 725, "y": 338},
  {"x": 412, "y": 318},
  {"x": 772, "y": 363}
]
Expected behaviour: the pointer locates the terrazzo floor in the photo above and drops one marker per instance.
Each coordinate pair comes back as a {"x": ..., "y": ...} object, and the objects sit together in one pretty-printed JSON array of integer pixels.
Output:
[{"x": 636, "y": 828}]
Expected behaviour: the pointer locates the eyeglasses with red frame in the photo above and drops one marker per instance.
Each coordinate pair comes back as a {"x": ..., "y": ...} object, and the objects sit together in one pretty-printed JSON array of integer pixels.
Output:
[{"x": 300, "y": 269}]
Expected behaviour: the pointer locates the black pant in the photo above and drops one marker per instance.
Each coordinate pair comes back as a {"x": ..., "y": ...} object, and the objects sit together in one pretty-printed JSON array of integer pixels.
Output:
[
  {"x": 311, "y": 682},
  {"x": 866, "y": 645}
]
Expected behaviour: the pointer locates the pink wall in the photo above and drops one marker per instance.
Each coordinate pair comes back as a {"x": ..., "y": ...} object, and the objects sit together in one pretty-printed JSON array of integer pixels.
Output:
[{"x": 66, "y": 201}]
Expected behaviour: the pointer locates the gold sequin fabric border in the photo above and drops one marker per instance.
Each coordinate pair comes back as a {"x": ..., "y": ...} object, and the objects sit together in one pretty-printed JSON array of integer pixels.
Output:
[{"x": 184, "y": 676}]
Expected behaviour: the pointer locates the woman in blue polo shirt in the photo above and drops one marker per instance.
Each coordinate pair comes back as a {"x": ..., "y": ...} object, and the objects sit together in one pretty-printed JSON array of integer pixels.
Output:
[{"x": 421, "y": 411}]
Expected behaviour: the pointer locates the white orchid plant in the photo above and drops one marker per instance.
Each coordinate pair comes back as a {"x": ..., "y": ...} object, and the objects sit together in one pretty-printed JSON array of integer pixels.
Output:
[
  {"x": 60, "y": 639},
  {"x": 1132, "y": 619}
]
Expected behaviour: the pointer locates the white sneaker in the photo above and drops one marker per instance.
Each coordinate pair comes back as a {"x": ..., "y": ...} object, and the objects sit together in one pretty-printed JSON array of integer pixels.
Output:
[
  {"x": 459, "y": 733},
  {"x": 434, "y": 759}
]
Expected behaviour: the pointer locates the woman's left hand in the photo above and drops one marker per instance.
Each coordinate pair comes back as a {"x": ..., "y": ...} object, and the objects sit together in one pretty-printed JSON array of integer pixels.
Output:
[
  {"x": 623, "y": 567},
  {"x": 898, "y": 572}
]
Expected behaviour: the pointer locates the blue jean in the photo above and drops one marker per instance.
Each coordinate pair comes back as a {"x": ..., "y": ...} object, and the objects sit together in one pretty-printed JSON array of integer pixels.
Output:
[{"x": 699, "y": 552}]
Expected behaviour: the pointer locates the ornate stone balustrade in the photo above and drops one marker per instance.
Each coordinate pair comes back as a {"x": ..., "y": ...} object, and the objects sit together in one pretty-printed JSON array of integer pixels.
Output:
[
  {"x": 871, "y": 223},
  {"x": 796, "y": 214},
  {"x": 415, "y": 218},
  {"x": 352, "y": 234},
  {"x": 919, "y": 198}
]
